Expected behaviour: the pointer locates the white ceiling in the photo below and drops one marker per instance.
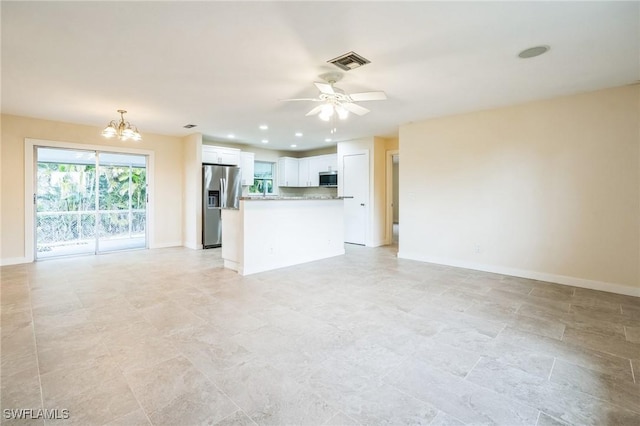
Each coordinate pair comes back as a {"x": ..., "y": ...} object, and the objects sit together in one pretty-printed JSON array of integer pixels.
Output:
[{"x": 225, "y": 65}]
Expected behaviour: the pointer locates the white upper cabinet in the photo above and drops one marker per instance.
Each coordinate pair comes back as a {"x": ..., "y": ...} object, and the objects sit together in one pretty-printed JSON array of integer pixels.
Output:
[
  {"x": 288, "y": 171},
  {"x": 247, "y": 168},
  {"x": 327, "y": 163},
  {"x": 308, "y": 170},
  {"x": 303, "y": 171},
  {"x": 333, "y": 162},
  {"x": 316, "y": 165},
  {"x": 220, "y": 155}
]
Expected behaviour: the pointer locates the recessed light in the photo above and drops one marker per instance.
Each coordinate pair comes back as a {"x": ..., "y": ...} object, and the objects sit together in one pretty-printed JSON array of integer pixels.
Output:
[
  {"x": 299, "y": 134},
  {"x": 263, "y": 127},
  {"x": 231, "y": 136},
  {"x": 265, "y": 141},
  {"x": 532, "y": 52},
  {"x": 293, "y": 145},
  {"x": 327, "y": 140}
]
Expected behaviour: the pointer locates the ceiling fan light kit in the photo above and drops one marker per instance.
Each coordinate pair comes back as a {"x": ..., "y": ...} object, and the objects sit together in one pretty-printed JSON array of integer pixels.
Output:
[
  {"x": 336, "y": 103},
  {"x": 342, "y": 112},
  {"x": 326, "y": 112},
  {"x": 122, "y": 129}
]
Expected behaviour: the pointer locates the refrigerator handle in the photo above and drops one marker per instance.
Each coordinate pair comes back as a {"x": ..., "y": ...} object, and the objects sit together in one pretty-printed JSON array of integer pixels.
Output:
[{"x": 223, "y": 193}]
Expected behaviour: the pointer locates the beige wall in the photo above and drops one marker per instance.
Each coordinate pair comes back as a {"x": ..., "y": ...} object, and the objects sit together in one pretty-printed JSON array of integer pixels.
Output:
[
  {"x": 192, "y": 191},
  {"x": 320, "y": 151},
  {"x": 379, "y": 202},
  {"x": 167, "y": 178},
  {"x": 548, "y": 190},
  {"x": 391, "y": 144}
]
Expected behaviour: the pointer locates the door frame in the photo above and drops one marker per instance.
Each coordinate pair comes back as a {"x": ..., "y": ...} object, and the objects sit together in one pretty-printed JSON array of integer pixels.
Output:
[
  {"x": 30, "y": 170},
  {"x": 389, "y": 196}
]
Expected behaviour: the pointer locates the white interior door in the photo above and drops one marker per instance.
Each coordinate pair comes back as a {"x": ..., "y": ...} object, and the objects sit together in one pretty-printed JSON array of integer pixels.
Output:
[{"x": 355, "y": 181}]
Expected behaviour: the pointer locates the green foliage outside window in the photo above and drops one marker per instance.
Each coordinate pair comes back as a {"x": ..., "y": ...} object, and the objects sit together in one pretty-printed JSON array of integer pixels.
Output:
[
  {"x": 66, "y": 202},
  {"x": 262, "y": 178}
]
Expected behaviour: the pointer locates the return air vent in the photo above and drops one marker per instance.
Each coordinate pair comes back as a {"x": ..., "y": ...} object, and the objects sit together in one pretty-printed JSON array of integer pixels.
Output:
[{"x": 349, "y": 61}]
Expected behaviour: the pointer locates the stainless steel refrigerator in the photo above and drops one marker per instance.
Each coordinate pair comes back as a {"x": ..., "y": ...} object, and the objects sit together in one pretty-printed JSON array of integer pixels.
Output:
[{"x": 221, "y": 189}]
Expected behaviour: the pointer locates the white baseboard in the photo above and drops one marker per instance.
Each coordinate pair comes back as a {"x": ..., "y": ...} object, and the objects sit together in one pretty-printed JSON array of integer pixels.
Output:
[
  {"x": 534, "y": 275},
  {"x": 166, "y": 245},
  {"x": 192, "y": 246},
  {"x": 284, "y": 263},
  {"x": 19, "y": 260},
  {"x": 230, "y": 264},
  {"x": 14, "y": 261}
]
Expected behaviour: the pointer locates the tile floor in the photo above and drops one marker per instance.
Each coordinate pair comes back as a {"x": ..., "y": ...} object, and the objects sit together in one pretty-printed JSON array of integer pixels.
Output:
[{"x": 169, "y": 337}]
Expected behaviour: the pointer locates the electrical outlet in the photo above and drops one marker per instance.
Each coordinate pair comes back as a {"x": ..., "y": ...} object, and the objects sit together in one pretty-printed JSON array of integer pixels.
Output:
[{"x": 477, "y": 247}]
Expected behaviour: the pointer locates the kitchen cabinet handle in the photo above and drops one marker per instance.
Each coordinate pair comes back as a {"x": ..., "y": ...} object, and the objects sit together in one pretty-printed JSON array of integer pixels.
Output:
[{"x": 362, "y": 204}]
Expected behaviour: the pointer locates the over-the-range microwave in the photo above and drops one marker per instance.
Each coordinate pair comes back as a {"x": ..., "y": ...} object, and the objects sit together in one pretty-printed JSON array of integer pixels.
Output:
[{"x": 329, "y": 179}]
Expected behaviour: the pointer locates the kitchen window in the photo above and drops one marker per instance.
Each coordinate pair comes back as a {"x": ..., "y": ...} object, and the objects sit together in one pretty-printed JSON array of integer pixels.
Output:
[{"x": 263, "y": 178}]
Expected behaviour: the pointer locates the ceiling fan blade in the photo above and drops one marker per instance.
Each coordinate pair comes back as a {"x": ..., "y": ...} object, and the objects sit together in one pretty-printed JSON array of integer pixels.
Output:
[
  {"x": 302, "y": 99},
  {"x": 368, "y": 96},
  {"x": 325, "y": 88},
  {"x": 356, "y": 109},
  {"x": 315, "y": 110}
]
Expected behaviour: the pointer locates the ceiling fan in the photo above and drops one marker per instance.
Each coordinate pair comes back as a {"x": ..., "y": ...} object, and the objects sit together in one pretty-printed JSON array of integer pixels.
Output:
[{"x": 336, "y": 101}]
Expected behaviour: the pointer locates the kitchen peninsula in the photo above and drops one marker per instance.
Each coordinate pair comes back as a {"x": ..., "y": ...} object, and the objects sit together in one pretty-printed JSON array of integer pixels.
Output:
[{"x": 267, "y": 233}]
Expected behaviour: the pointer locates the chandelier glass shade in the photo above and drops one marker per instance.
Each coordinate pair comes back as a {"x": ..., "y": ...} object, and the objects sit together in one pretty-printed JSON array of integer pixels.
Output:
[{"x": 122, "y": 129}]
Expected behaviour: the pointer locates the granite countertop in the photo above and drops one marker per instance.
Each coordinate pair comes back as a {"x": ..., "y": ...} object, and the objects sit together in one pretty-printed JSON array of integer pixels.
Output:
[{"x": 280, "y": 198}]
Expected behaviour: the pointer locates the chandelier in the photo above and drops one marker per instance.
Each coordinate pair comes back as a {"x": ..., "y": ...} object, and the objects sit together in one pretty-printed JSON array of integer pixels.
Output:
[{"x": 123, "y": 129}]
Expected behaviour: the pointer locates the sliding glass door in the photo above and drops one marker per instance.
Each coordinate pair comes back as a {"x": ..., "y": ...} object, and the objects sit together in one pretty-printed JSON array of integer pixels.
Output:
[
  {"x": 89, "y": 202},
  {"x": 65, "y": 202},
  {"x": 122, "y": 202}
]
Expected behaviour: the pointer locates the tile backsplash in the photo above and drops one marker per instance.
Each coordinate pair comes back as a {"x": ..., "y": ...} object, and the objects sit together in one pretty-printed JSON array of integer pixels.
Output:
[{"x": 299, "y": 192}]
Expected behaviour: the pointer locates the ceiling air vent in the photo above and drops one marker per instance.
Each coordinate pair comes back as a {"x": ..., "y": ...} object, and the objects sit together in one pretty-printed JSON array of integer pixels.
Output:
[
  {"x": 349, "y": 61},
  {"x": 189, "y": 126}
]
